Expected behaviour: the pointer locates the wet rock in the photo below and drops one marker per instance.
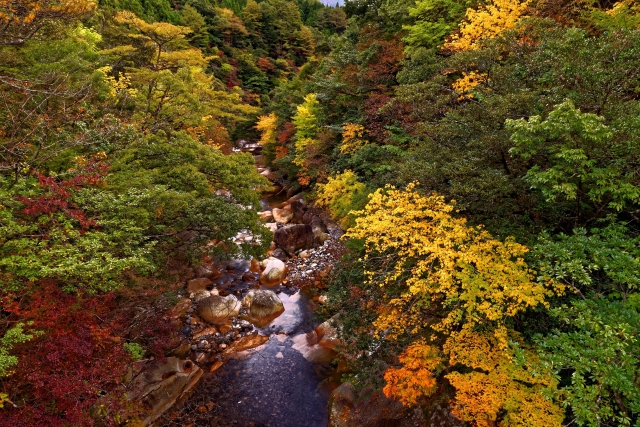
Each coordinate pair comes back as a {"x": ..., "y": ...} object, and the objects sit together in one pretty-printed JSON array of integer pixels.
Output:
[
  {"x": 297, "y": 207},
  {"x": 320, "y": 237},
  {"x": 280, "y": 254},
  {"x": 309, "y": 215},
  {"x": 248, "y": 277},
  {"x": 318, "y": 225},
  {"x": 161, "y": 384},
  {"x": 208, "y": 272},
  {"x": 304, "y": 255},
  {"x": 246, "y": 343},
  {"x": 294, "y": 189},
  {"x": 266, "y": 216},
  {"x": 294, "y": 237},
  {"x": 206, "y": 332},
  {"x": 282, "y": 216},
  {"x": 197, "y": 285},
  {"x": 371, "y": 411},
  {"x": 180, "y": 309},
  {"x": 218, "y": 310},
  {"x": 274, "y": 272},
  {"x": 263, "y": 306},
  {"x": 201, "y": 295},
  {"x": 181, "y": 351},
  {"x": 328, "y": 333},
  {"x": 254, "y": 266}
]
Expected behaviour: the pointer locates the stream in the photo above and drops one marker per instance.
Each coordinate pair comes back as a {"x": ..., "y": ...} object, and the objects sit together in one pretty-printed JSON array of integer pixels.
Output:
[{"x": 284, "y": 382}]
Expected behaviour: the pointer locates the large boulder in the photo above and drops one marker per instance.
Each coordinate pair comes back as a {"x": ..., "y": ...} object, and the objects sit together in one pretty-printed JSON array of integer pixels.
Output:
[
  {"x": 263, "y": 306},
  {"x": 297, "y": 207},
  {"x": 217, "y": 309},
  {"x": 197, "y": 285},
  {"x": 294, "y": 237},
  {"x": 161, "y": 384},
  {"x": 273, "y": 273},
  {"x": 282, "y": 216}
]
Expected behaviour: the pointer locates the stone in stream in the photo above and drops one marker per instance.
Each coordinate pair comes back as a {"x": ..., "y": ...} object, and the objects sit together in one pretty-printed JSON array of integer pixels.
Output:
[
  {"x": 272, "y": 226},
  {"x": 280, "y": 254},
  {"x": 282, "y": 216},
  {"x": 328, "y": 333},
  {"x": 266, "y": 216},
  {"x": 208, "y": 272},
  {"x": 263, "y": 306},
  {"x": 297, "y": 207},
  {"x": 160, "y": 384},
  {"x": 198, "y": 285},
  {"x": 274, "y": 272},
  {"x": 294, "y": 237},
  {"x": 218, "y": 310}
]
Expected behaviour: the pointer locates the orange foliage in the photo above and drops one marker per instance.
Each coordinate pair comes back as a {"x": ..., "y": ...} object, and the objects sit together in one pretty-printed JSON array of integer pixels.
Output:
[
  {"x": 420, "y": 362},
  {"x": 503, "y": 389}
]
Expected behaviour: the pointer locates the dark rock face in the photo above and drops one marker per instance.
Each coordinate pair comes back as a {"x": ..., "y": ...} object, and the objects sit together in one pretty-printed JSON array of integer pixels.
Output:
[
  {"x": 280, "y": 254},
  {"x": 294, "y": 237},
  {"x": 310, "y": 214},
  {"x": 297, "y": 207}
]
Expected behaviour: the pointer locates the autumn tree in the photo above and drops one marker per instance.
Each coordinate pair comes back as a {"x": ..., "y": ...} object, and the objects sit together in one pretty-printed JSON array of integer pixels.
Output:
[
  {"x": 20, "y": 20},
  {"x": 447, "y": 281},
  {"x": 487, "y": 22}
]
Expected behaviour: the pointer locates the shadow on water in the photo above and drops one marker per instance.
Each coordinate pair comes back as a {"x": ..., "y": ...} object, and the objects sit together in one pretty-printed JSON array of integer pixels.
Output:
[{"x": 273, "y": 385}]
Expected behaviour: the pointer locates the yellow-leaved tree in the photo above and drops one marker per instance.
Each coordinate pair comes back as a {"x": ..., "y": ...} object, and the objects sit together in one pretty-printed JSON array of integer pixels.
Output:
[
  {"x": 306, "y": 121},
  {"x": 267, "y": 126},
  {"x": 486, "y": 22},
  {"x": 353, "y": 138},
  {"x": 341, "y": 194},
  {"x": 457, "y": 287}
]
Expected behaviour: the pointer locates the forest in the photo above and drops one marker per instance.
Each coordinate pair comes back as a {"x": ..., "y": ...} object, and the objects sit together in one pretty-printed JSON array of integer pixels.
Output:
[{"x": 482, "y": 157}]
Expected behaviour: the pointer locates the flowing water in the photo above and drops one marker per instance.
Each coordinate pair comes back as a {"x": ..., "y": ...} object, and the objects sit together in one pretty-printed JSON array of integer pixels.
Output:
[{"x": 283, "y": 383}]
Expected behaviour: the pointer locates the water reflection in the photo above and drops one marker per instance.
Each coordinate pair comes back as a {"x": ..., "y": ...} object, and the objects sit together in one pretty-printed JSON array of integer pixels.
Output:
[{"x": 274, "y": 385}]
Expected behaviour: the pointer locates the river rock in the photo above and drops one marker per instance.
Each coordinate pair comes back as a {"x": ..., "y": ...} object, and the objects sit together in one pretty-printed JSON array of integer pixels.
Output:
[
  {"x": 297, "y": 207},
  {"x": 318, "y": 225},
  {"x": 266, "y": 216},
  {"x": 254, "y": 265},
  {"x": 272, "y": 226},
  {"x": 274, "y": 272},
  {"x": 294, "y": 237},
  {"x": 262, "y": 306},
  {"x": 280, "y": 254},
  {"x": 199, "y": 296},
  {"x": 207, "y": 271},
  {"x": 372, "y": 409},
  {"x": 218, "y": 310},
  {"x": 294, "y": 189},
  {"x": 197, "y": 285},
  {"x": 321, "y": 237},
  {"x": 328, "y": 333},
  {"x": 282, "y": 216},
  {"x": 159, "y": 385}
]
